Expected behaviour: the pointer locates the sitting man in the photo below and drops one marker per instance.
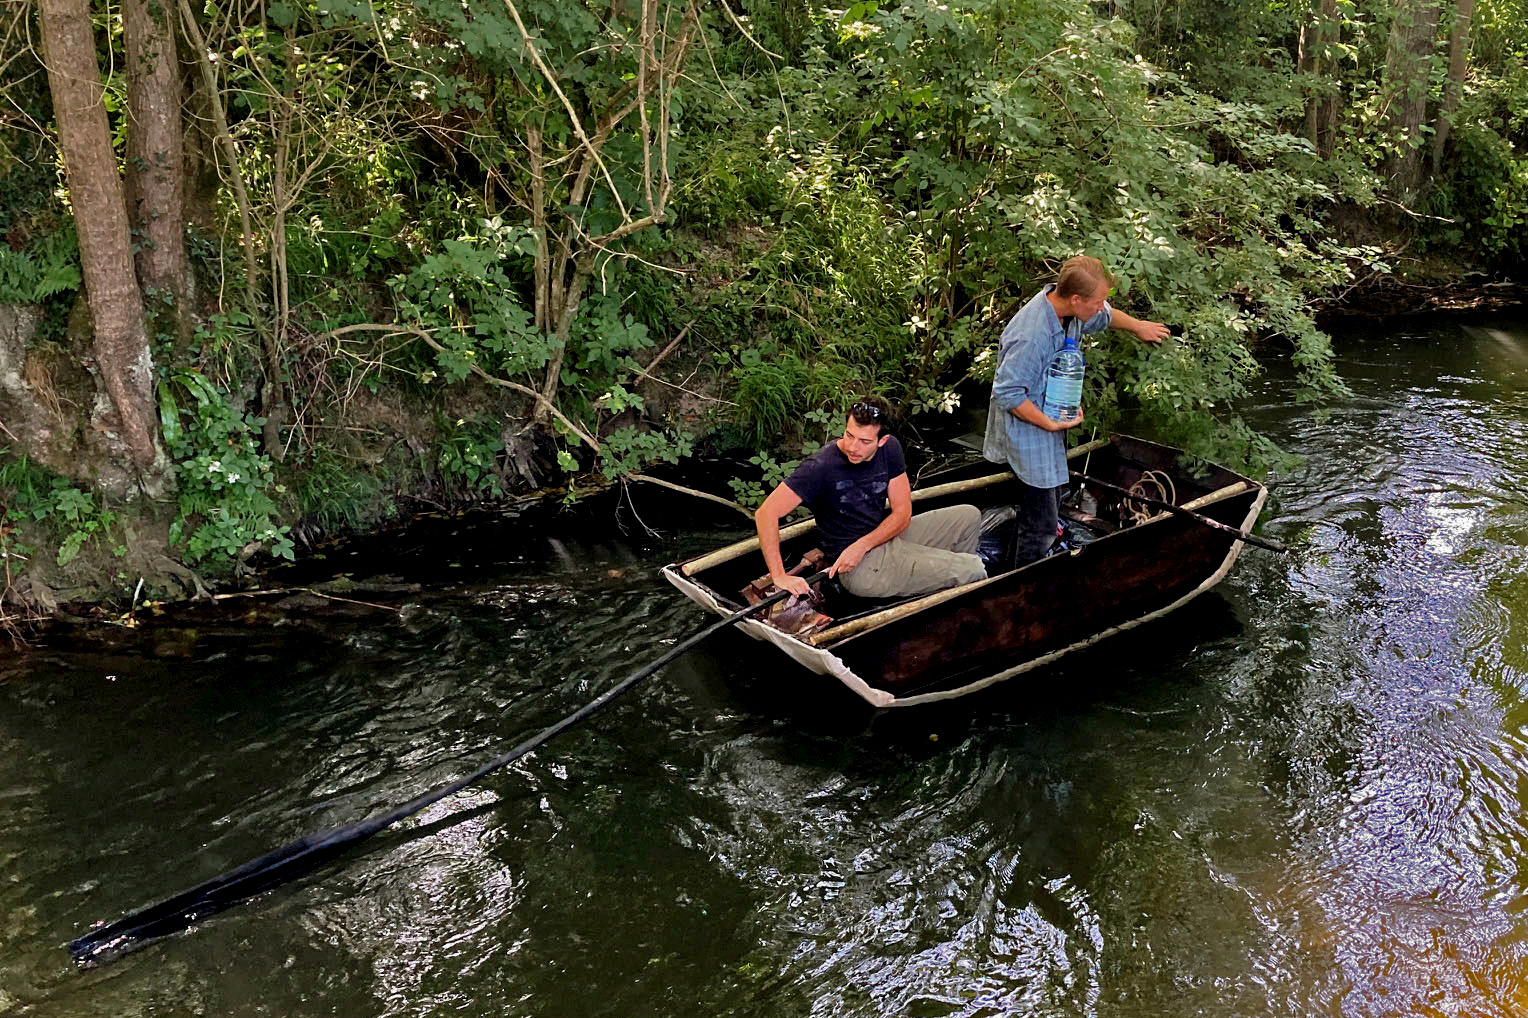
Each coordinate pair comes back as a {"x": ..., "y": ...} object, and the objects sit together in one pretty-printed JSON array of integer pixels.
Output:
[{"x": 875, "y": 553}]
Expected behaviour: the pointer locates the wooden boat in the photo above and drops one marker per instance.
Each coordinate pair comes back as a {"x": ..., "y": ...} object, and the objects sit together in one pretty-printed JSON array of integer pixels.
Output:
[{"x": 957, "y": 641}]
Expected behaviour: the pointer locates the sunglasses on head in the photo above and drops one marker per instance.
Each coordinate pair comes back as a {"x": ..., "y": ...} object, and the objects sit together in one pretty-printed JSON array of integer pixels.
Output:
[{"x": 863, "y": 409}]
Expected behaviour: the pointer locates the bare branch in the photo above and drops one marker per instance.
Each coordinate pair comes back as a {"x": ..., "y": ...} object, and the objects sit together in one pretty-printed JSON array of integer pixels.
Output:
[
  {"x": 225, "y": 141},
  {"x": 644, "y": 52},
  {"x": 542, "y": 303},
  {"x": 578, "y": 124},
  {"x": 626, "y": 229},
  {"x": 747, "y": 34},
  {"x": 690, "y": 491},
  {"x": 647, "y": 371}
]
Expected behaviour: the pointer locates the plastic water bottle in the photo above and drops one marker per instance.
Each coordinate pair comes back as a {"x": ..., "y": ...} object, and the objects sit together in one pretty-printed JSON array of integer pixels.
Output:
[{"x": 1063, "y": 383}]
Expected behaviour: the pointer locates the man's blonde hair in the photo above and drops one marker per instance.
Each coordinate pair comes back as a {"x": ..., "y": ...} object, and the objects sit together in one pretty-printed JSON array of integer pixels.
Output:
[{"x": 1081, "y": 276}]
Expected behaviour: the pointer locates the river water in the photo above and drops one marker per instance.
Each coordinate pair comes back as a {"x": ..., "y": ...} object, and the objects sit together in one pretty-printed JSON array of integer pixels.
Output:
[{"x": 1303, "y": 794}]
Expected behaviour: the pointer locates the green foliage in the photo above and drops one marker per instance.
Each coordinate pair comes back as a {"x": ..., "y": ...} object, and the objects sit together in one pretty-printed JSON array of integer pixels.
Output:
[
  {"x": 860, "y": 210},
  {"x": 1500, "y": 36},
  {"x": 14, "y": 552},
  {"x": 338, "y": 494},
  {"x": 600, "y": 353},
  {"x": 769, "y": 391},
  {"x": 1508, "y": 214},
  {"x": 226, "y": 484},
  {"x": 751, "y": 493},
  {"x": 727, "y": 184},
  {"x": 463, "y": 296},
  {"x": 1484, "y": 197},
  {"x": 469, "y": 457},
  {"x": 353, "y": 231},
  {"x": 76, "y": 516},
  {"x": 994, "y": 139},
  {"x": 225, "y": 342},
  {"x": 630, "y": 449}
]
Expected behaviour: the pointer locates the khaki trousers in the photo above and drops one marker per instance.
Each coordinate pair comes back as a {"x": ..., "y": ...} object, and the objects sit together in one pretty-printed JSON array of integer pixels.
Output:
[{"x": 937, "y": 550}]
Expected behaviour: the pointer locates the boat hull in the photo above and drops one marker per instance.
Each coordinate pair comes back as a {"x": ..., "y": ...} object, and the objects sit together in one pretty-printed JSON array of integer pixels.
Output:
[{"x": 968, "y": 638}]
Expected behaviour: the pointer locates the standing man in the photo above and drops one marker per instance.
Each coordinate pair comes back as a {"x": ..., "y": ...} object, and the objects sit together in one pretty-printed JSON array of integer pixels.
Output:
[
  {"x": 875, "y": 552},
  {"x": 1018, "y": 432}
]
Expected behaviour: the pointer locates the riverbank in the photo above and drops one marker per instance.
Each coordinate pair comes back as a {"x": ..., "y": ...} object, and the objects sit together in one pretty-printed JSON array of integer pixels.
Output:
[
  {"x": 124, "y": 561},
  {"x": 1431, "y": 288},
  {"x": 375, "y": 568}
]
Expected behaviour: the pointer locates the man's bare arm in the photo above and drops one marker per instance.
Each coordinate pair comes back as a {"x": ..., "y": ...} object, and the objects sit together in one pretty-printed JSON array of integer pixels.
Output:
[
  {"x": 1150, "y": 332},
  {"x": 1031, "y": 414},
  {"x": 766, "y": 520}
]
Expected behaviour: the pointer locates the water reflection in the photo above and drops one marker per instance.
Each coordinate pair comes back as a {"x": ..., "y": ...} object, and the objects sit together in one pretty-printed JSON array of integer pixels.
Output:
[
  {"x": 1399, "y": 885},
  {"x": 1302, "y": 795}
]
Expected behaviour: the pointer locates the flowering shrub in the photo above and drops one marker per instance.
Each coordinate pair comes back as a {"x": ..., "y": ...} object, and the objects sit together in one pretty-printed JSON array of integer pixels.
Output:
[{"x": 225, "y": 481}]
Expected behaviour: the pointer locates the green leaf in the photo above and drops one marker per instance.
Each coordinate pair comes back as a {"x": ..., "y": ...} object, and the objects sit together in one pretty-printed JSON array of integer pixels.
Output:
[{"x": 169, "y": 415}]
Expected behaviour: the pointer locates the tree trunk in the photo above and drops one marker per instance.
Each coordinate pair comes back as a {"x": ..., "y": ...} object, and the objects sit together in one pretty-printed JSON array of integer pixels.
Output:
[
  {"x": 1458, "y": 67},
  {"x": 121, "y": 341},
  {"x": 1407, "y": 78},
  {"x": 1316, "y": 60},
  {"x": 1308, "y": 64},
  {"x": 155, "y": 162}
]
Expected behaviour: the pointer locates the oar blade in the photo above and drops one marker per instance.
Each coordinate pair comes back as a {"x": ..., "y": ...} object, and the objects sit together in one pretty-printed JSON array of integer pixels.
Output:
[{"x": 177, "y": 912}]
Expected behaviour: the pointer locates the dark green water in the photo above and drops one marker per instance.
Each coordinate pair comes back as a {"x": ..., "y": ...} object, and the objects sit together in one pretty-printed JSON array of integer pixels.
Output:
[{"x": 1304, "y": 794}]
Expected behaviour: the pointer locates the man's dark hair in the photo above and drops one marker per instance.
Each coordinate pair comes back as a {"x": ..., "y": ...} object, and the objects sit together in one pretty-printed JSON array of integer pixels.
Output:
[{"x": 872, "y": 410}]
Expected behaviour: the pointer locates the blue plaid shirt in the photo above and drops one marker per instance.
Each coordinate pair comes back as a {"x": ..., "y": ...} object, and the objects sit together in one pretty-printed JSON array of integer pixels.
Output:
[{"x": 1030, "y": 341}]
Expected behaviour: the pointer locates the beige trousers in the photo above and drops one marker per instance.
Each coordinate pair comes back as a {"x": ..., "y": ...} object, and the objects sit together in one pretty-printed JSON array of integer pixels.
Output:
[{"x": 937, "y": 550}]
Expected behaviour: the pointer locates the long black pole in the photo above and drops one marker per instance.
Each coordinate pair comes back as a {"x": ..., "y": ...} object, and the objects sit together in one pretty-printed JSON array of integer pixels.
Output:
[
  {"x": 238, "y": 885},
  {"x": 1250, "y": 538}
]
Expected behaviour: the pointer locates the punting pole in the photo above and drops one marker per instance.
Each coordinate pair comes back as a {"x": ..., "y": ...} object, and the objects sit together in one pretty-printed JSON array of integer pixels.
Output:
[{"x": 108, "y": 941}]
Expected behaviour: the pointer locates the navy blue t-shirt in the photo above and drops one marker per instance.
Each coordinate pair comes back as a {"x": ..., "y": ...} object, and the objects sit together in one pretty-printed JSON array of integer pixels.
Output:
[{"x": 848, "y": 499}]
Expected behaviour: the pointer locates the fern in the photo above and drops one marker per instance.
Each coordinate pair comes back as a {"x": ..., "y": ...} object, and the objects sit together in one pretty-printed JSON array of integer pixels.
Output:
[{"x": 46, "y": 269}]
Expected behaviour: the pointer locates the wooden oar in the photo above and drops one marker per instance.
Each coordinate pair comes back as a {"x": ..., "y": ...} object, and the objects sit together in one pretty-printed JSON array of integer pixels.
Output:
[
  {"x": 1250, "y": 538},
  {"x": 106, "y": 942}
]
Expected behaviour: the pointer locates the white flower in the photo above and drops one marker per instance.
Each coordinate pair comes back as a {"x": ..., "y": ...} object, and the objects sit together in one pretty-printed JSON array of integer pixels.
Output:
[
  {"x": 233, "y": 477},
  {"x": 214, "y": 467}
]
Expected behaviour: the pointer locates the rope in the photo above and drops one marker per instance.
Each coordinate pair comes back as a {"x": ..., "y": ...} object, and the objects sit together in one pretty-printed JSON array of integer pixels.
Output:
[{"x": 1153, "y": 484}]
